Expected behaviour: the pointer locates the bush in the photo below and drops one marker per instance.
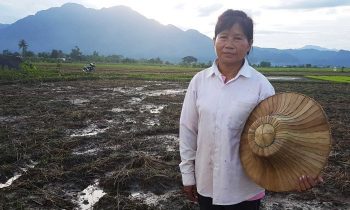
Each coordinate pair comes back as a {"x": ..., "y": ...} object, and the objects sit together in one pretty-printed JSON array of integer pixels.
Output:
[{"x": 30, "y": 69}]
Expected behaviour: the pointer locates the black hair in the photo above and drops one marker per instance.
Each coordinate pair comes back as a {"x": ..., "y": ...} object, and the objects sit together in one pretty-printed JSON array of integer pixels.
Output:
[{"x": 230, "y": 17}]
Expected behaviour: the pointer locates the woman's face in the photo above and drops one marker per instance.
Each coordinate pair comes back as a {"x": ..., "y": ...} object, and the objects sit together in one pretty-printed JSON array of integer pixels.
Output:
[{"x": 232, "y": 46}]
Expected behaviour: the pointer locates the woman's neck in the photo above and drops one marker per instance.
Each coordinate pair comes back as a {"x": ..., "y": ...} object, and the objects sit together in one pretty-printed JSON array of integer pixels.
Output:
[{"x": 229, "y": 70}]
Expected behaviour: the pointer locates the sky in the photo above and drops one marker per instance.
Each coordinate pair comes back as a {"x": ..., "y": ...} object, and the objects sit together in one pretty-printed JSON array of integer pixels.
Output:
[{"x": 277, "y": 23}]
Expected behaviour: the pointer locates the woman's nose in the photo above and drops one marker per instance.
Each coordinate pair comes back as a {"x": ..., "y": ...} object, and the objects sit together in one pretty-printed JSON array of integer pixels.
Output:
[{"x": 230, "y": 43}]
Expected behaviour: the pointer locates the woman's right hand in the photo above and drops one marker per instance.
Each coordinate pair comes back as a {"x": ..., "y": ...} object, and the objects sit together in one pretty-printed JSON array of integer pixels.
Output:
[{"x": 191, "y": 193}]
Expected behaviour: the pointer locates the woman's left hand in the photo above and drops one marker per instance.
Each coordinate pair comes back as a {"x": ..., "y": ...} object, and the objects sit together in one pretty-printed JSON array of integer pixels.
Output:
[{"x": 306, "y": 182}]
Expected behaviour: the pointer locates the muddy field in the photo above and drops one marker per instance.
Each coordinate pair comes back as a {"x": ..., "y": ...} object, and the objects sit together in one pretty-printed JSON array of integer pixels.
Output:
[{"x": 114, "y": 144}]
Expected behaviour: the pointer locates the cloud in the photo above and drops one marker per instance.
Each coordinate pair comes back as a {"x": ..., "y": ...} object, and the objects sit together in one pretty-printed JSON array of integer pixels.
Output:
[
  {"x": 179, "y": 6},
  {"x": 268, "y": 32},
  {"x": 208, "y": 10},
  {"x": 14, "y": 10},
  {"x": 311, "y": 4}
]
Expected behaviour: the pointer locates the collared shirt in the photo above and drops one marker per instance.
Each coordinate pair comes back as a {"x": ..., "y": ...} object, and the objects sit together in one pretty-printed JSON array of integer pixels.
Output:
[{"x": 212, "y": 119}]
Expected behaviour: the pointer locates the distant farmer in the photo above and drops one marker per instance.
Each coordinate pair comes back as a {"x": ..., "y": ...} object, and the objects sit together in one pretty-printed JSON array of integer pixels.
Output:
[
  {"x": 218, "y": 101},
  {"x": 11, "y": 62},
  {"x": 89, "y": 68}
]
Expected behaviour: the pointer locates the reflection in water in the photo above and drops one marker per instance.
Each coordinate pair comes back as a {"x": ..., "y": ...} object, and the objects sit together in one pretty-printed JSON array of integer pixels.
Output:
[
  {"x": 92, "y": 130},
  {"x": 121, "y": 110},
  {"x": 89, "y": 196},
  {"x": 151, "y": 122},
  {"x": 154, "y": 109},
  {"x": 165, "y": 92},
  {"x": 8, "y": 119},
  {"x": 78, "y": 101},
  {"x": 149, "y": 198},
  {"x": 10, "y": 181},
  {"x": 170, "y": 148},
  {"x": 284, "y": 78},
  {"x": 135, "y": 100},
  {"x": 17, "y": 175}
]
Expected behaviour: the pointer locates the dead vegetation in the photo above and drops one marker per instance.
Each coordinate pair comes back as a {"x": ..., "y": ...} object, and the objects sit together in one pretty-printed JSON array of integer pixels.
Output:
[{"x": 123, "y": 133}]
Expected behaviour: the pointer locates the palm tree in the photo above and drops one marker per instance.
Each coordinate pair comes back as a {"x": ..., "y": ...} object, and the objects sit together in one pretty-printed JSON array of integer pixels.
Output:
[{"x": 23, "y": 45}]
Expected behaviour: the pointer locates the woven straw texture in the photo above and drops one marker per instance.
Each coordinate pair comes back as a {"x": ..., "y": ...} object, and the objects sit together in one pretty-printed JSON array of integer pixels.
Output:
[{"x": 286, "y": 136}]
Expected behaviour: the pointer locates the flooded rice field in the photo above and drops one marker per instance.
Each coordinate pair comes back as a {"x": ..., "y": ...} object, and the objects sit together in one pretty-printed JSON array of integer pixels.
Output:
[
  {"x": 113, "y": 144},
  {"x": 285, "y": 78}
]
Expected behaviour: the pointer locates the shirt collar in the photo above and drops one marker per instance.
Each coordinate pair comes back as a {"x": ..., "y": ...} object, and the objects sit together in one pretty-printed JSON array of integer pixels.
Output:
[{"x": 244, "y": 71}]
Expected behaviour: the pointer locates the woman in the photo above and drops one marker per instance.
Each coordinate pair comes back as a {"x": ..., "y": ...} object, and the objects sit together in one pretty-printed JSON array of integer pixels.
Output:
[{"x": 217, "y": 103}]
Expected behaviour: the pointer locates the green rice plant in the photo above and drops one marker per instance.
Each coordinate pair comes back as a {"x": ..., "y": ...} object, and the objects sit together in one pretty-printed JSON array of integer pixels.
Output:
[
  {"x": 300, "y": 69},
  {"x": 8, "y": 74},
  {"x": 339, "y": 79},
  {"x": 41, "y": 71}
]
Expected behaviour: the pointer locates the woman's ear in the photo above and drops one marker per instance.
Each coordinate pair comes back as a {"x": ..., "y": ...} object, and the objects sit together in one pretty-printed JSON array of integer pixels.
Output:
[{"x": 250, "y": 43}]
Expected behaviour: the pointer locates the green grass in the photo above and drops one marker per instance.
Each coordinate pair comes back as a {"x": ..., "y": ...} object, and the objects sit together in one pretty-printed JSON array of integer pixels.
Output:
[
  {"x": 290, "y": 71},
  {"x": 299, "y": 69},
  {"x": 117, "y": 67},
  {"x": 73, "y": 71},
  {"x": 340, "y": 79}
]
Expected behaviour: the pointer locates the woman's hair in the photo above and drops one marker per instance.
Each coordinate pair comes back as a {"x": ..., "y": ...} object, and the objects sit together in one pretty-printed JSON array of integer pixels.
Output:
[{"x": 230, "y": 17}]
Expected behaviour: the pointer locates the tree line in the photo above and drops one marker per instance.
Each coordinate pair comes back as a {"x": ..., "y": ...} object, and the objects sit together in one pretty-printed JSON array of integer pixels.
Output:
[{"x": 76, "y": 55}]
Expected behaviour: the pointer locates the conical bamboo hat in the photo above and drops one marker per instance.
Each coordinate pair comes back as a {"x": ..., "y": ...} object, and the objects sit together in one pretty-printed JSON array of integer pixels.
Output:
[{"x": 286, "y": 136}]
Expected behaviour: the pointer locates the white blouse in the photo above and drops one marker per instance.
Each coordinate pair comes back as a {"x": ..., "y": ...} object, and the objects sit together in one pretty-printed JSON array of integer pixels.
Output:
[{"x": 212, "y": 119}]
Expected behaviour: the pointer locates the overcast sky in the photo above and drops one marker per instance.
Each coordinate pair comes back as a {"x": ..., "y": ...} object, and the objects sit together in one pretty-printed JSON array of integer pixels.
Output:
[{"x": 278, "y": 23}]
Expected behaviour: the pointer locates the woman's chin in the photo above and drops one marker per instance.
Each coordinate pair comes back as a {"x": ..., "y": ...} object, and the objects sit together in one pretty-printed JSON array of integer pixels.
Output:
[{"x": 230, "y": 60}]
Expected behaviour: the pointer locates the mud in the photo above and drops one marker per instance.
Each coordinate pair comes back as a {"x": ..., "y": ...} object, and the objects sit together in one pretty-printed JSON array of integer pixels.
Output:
[{"x": 113, "y": 144}]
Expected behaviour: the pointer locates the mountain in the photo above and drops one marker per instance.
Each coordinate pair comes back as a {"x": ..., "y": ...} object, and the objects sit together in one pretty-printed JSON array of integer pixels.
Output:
[
  {"x": 121, "y": 30},
  {"x": 300, "y": 57},
  {"x": 114, "y": 30},
  {"x": 314, "y": 47},
  {"x": 3, "y": 25}
]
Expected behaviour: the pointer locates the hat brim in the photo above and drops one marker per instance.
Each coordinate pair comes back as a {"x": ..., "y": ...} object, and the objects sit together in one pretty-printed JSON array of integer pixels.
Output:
[{"x": 286, "y": 136}]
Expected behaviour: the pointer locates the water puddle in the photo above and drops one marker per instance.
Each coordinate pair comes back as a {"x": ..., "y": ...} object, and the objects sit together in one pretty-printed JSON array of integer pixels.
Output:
[
  {"x": 135, "y": 100},
  {"x": 165, "y": 92},
  {"x": 10, "y": 181},
  {"x": 111, "y": 89},
  {"x": 171, "y": 141},
  {"x": 17, "y": 175},
  {"x": 78, "y": 101},
  {"x": 151, "y": 122},
  {"x": 170, "y": 148},
  {"x": 136, "y": 90},
  {"x": 121, "y": 110},
  {"x": 92, "y": 130},
  {"x": 69, "y": 87},
  {"x": 87, "y": 152},
  {"x": 153, "y": 109},
  {"x": 150, "y": 198},
  {"x": 62, "y": 89},
  {"x": 89, "y": 196},
  {"x": 125, "y": 90},
  {"x": 10, "y": 119},
  {"x": 129, "y": 120},
  {"x": 284, "y": 78}
]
